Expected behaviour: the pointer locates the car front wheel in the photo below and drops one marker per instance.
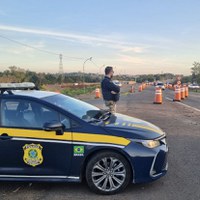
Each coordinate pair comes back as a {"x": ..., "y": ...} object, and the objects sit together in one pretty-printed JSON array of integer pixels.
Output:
[{"x": 108, "y": 173}]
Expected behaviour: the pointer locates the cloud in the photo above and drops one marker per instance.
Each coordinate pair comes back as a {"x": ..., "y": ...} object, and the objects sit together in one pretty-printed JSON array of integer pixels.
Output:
[
  {"x": 133, "y": 49},
  {"x": 52, "y": 33},
  {"x": 96, "y": 40},
  {"x": 131, "y": 59}
]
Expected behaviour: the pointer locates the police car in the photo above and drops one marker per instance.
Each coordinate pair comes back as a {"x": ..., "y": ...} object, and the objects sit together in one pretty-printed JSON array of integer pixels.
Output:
[{"x": 46, "y": 136}]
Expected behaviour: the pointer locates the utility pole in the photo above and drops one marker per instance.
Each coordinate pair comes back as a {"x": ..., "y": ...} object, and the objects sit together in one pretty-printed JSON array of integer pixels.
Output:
[
  {"x": 61, "y": 68},
  {"x": 60, "y": 65}
]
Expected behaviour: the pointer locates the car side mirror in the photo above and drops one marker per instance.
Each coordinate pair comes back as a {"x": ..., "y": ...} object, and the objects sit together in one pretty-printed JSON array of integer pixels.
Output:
[{"x": 54, "y": 126}]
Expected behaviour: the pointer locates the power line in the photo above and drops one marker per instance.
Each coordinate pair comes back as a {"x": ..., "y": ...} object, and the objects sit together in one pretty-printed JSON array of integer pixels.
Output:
[
  {"x": 26, "y": 45},
  {"x": 94, "y": 63},
  {"x": 38, "y": 49}
]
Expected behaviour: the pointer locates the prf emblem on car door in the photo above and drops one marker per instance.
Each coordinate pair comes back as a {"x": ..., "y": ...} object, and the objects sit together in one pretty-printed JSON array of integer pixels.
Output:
[{"x": 33, "y": 154}]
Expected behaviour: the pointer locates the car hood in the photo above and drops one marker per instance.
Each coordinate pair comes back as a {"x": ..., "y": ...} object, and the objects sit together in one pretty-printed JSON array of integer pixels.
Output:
[{"x": 130, "y": 127}]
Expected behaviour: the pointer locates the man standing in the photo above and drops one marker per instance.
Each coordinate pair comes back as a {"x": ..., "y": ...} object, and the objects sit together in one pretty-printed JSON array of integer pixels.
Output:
[{"x": 110, "y": 91}]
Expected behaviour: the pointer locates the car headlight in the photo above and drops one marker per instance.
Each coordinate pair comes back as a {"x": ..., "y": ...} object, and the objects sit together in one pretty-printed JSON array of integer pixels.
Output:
[
  {"x": 148, "y": 143},
  {"x": 151, "y": 143}
]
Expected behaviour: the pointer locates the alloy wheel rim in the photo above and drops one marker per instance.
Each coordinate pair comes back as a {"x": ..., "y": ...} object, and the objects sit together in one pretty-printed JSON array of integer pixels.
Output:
[{"x": 108, "y": 174}]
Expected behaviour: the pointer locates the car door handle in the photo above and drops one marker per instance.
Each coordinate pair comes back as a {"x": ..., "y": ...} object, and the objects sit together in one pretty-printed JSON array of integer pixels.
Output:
[{"x": 5, "y": 136}]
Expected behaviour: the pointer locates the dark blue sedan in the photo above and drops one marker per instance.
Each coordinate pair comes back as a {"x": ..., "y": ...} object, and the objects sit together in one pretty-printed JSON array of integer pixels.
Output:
[{"x": 45, "y": 136}]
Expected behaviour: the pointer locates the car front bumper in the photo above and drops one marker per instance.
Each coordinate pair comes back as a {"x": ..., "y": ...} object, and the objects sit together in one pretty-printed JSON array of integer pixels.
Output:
[{"x": 147, "y": 164}]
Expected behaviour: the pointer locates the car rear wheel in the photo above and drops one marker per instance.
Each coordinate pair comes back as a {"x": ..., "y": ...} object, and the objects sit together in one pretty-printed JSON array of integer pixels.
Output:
[{"x": 108, "y": 173}]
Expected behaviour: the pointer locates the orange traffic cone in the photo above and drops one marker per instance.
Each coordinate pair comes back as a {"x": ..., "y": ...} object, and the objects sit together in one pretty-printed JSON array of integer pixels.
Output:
[
  {"x": 97, "y": 93},
  {"x": 158, "y": 96},
  {"x": 186, "y": 91},
  {"x": 182, "y": 92},
  {"x": 177, "y": 93},
  {"x": 140, "y": 88}
]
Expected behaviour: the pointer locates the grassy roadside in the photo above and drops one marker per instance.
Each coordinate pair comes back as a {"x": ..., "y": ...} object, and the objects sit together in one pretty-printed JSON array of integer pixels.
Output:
[
  {"x": 194, "y": 90},
  {"x": 78, "y": 91}
]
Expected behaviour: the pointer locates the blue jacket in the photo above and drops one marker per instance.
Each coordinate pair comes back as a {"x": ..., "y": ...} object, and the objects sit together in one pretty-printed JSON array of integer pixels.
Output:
[{"x": 106, "y": 87}]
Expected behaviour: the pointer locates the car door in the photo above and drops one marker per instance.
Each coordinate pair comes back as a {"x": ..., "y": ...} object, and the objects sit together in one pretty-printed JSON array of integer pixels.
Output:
[{"x": 26, "y": 149}]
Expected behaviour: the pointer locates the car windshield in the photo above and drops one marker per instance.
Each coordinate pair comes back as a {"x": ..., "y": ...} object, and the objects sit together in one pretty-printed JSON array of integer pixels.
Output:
[
  {"x": 160, "y": 84},
  {"x": 79, "y": 108}
]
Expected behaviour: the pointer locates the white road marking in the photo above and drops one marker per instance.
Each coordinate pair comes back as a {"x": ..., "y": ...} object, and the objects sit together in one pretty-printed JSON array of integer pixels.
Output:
[
  {"x": 191, "y": 107},
  {"x": 168, "y": 98}
]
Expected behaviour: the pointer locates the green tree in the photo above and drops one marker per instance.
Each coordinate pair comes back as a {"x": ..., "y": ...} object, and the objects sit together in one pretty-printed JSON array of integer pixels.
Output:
[
  {"x": 59, "y": 78},
  {"x": 196, "y": 72},
  {"x": 186, "y": 79},
  {"x": 17, "y": 73}
]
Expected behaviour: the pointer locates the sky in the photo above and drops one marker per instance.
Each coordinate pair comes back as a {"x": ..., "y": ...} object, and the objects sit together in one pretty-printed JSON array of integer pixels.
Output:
[{"x": 134, "y": 36}]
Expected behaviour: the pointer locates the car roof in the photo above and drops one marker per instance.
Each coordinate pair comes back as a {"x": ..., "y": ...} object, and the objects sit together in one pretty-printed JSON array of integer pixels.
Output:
[
  {"x": 24, "y": 89},
  {"x": 33, "y": 93}
]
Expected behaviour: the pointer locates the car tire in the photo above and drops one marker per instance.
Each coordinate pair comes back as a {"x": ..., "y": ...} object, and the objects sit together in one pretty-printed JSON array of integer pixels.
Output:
[{"x": 108, "y": 173}]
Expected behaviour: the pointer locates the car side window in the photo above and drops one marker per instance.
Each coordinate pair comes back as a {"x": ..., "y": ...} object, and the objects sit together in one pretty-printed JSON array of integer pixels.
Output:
[
  {"x": 28, "y": 114},
  {"x": 65, "y": 121}
]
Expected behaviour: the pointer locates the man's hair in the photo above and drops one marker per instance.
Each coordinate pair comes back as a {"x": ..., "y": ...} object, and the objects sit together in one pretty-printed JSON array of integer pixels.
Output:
[{"x": 108, "y": 69}]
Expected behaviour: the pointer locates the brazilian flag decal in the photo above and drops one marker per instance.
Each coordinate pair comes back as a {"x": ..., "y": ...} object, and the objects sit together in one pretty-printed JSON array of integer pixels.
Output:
[{"x": 79, "y": 150}]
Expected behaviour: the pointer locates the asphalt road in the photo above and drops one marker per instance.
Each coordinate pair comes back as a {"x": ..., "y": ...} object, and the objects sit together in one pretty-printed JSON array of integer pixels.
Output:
[
  {"x": 182, "y": 181},
  {"x": 193, "y": 99}
]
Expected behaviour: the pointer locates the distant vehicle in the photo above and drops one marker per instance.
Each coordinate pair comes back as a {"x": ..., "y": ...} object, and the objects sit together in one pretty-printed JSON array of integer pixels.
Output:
[
  {"x": 160, "y": 85},
  {"x": 194, "y": 86},
  {"x": 169, "y": 85},
  {"x": 116, "y": 82}
]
